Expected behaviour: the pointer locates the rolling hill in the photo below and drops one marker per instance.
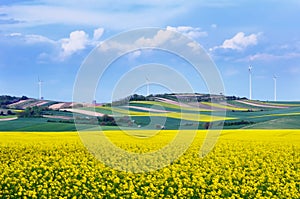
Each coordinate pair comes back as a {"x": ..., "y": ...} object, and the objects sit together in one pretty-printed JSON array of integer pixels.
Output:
[{"x": 167, "y": 111}]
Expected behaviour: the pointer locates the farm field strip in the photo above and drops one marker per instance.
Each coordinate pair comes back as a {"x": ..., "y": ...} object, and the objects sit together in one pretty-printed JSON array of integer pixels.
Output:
[
  {"x": 169, "y": 101},
  {"x": 277, "y": 114},
  {"x": 173, "y": 106},
  {"x": 185, "y": 116},
  {"x": 85, "y": 112},
  {"x": 146, "y": 109},
  {"x": 222, "y": 106},
  {"x": 8, "y": 118},
  {"x": 260, "y": 104},
  {"x": 285, "y": 104}
]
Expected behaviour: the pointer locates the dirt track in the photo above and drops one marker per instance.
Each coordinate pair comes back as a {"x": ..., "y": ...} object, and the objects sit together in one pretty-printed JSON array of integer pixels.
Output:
[
  {"x": 84, "y": 112},
  {"x": 8, "y": 119},
  {"x": 147, "y": 109},
  {"x": 260, "y": 105}
]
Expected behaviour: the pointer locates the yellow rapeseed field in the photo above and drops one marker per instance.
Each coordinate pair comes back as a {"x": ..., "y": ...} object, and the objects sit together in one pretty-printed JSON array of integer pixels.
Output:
[{"x": 243, "y": 164}]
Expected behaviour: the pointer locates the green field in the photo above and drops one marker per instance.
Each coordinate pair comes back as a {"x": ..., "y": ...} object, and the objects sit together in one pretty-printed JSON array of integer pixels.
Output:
[
  {"x": 6, "y": 116},
  {"x": 152, "y": 114}
]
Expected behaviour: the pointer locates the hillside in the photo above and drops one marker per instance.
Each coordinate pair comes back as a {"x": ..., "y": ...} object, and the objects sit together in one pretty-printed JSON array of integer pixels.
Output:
[{"x": 167, "y": 111}]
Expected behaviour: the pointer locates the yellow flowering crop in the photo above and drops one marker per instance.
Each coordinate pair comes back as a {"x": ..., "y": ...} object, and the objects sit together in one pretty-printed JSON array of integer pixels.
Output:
[
  {"x": 243, "y": 164},
  {"x": 177, "y": 115}
]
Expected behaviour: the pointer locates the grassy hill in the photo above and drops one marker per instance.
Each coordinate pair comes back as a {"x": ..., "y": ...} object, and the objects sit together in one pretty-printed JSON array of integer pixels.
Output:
[{"x": 168, "y": 111}]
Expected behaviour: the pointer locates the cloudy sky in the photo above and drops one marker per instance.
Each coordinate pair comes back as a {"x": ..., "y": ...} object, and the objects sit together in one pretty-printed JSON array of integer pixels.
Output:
[{"x": 50, "y": 39}]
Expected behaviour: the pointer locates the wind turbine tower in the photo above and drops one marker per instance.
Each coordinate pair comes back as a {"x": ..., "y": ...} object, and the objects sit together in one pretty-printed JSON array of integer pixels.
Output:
[
  {"x": 275, "y": 87},
  {"x": 40, "y": 82},
  {"x": 250, "y": 82}
]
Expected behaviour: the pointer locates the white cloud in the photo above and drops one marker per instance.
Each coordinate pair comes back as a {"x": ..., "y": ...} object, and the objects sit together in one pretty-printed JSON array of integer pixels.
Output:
[
  {"x": 37, "y": 39},
  {"x": 213, "y": 26},
  {"x": 78, "y": 40},
  {"x": 195, "y": 46},
  {"x": 15, "y": 34},
  {"x": 132, "y": 56},
  {"x": 98, "y": 33},
  {"x": 273, "y": 57},
  {"x": 231, "y": 72},
  {"x": 239, "y": 42},
  {"x": 138, "y": 42},
  {"x": 159, "y": 38},
  {"x": 262, "y": 56},
  {"x": 189, "y": 31},
  {"x": 30, "y": 38},
  {"x": 121, "y": 15}
]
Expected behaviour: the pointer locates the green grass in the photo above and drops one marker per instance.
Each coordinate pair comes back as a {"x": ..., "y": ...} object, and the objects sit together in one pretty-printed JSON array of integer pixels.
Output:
[
  {"x": 99, "y": 109},
  {"x": 35, "y": 124},
  {"x": 167, "y": 107},
  {"x": 246, "y": 106},
  {"x": 171, "y": 108},
  {"x": 279, "y": 103},
  {"x": 169, "y": 123},
  {"x": 59, "y": 113},
  {"x": 287, "y": 122},
  {"x": 6, "y": 116}
]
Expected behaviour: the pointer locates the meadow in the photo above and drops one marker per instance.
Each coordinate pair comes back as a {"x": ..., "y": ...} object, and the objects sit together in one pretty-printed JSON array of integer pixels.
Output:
[{"x": 243, "y": 164}]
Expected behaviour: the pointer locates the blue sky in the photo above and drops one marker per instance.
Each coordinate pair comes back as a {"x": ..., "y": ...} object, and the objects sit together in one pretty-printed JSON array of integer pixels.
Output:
[{"x": 49, "y": 39}]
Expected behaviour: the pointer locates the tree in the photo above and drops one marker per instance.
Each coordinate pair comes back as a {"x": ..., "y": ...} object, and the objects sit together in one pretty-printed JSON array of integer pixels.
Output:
[
  {"x": 24, "y": 98},
  {"x": 207, "y": 125},
  {"x": 106, "y": 120},
  {"x": 35, "y": 111},
  {"x": 9, "y": 112}
]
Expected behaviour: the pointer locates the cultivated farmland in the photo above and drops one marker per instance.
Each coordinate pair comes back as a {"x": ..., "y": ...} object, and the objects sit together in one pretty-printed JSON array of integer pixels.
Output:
[{"x": 255, "y": 156}]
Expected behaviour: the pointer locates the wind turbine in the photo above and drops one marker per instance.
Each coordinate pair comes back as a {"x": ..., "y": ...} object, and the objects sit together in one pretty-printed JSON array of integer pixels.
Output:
[
  {"x": 275, "y": 87},
  {"x": 250, "y": 82},
  {"x": 40, "y": 82}
]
